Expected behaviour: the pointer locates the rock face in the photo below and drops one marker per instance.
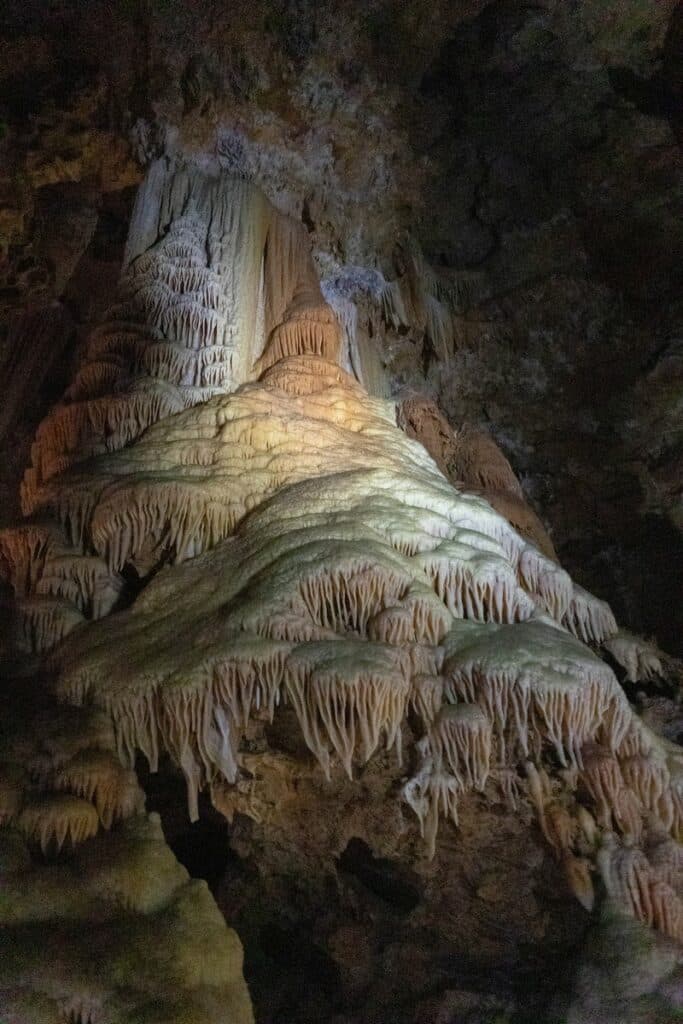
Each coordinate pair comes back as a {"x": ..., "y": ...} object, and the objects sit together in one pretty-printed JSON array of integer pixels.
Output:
[{"x": 272, "y": 549}]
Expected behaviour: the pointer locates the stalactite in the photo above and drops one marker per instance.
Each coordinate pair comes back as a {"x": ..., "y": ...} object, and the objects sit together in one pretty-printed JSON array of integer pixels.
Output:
[
  {"x": 40, "y": 622},
  {"x": 431, "y": 796},
  {"x": 537, "y": 685},
  {"x": 305, "y": 329},
  {"x": 428, "y": 301},
  {"x": 475, "y": 584},
  {"x": 633, "y": 883},
  {"x": 191, "y": 286},
  {"x": 83, "y": 580},
  {"x": 578, "y": 874},
  {"x": 248, "y": 678},
  {"x": 640, "y": 660},
  {"x": 98, "y": 777},
  {"x": 346, "y": 695},
  {"x": 588, "y": 617},
  {"x": 472, "y": 460},
  {"x": 24, "y": 551},
  {"x": 546, "y": 581},
  {"x": 36, "y": 340},
  {"x": 460, "y": 738},
  {"x": 55, "y": 820},
  {"x": 12, "y": 786},
  {"x": 454, "y": 757},
  {"x": 426, "y": 696},
  {"x": 602, "y": 774}
]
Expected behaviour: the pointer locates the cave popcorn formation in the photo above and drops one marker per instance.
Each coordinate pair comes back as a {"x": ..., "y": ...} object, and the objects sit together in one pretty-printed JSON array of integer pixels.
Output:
[{"x": 298, "y": 546}]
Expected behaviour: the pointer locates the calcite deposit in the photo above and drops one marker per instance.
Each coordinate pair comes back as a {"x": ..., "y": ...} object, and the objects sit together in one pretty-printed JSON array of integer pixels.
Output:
[
  {"x": 299, "y": 550},
  {"x": 340, "y": 356}
]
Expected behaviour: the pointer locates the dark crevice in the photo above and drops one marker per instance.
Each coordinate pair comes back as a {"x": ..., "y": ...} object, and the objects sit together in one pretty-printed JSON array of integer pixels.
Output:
[
  {"x": 203, "y": 846},
  {"x": 393, "y": 883},
  {"x": 650, "y": 96}
]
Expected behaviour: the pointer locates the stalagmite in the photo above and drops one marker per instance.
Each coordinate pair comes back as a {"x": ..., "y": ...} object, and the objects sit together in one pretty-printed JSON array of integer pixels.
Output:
[
  {"x": 296, "y": 544},
  {"x": 119, "y": 899}
]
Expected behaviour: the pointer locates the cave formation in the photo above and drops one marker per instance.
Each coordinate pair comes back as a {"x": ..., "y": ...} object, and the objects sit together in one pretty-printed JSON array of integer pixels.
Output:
[{"x": 290, "y": 656}]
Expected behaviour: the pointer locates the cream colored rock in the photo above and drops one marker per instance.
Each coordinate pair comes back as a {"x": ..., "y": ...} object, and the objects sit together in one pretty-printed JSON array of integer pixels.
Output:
[{"x": 302, "y": 550}]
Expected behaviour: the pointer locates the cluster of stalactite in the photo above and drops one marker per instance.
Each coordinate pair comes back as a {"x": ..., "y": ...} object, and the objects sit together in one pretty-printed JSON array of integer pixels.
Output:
[
  {"x": 433, "y": 303},
  {"x": 217, "y": 285},
  {"x": 316, "y": 555},
  {"x": 328, "y": 564}
]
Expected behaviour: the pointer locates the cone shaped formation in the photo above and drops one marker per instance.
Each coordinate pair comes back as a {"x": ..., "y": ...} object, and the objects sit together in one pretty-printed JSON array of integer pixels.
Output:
[
  {"x": 160, "y": 935},
  {"x": 299, "y": 548},
  {"x": 354, "y": 583},
  {"x": 216, "y": 286},
  {"x": 87, "y": 880}
]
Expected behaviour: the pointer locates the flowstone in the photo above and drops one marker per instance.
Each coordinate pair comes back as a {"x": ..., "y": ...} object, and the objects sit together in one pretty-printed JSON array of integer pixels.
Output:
[{"x": 298, "y": 553}]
